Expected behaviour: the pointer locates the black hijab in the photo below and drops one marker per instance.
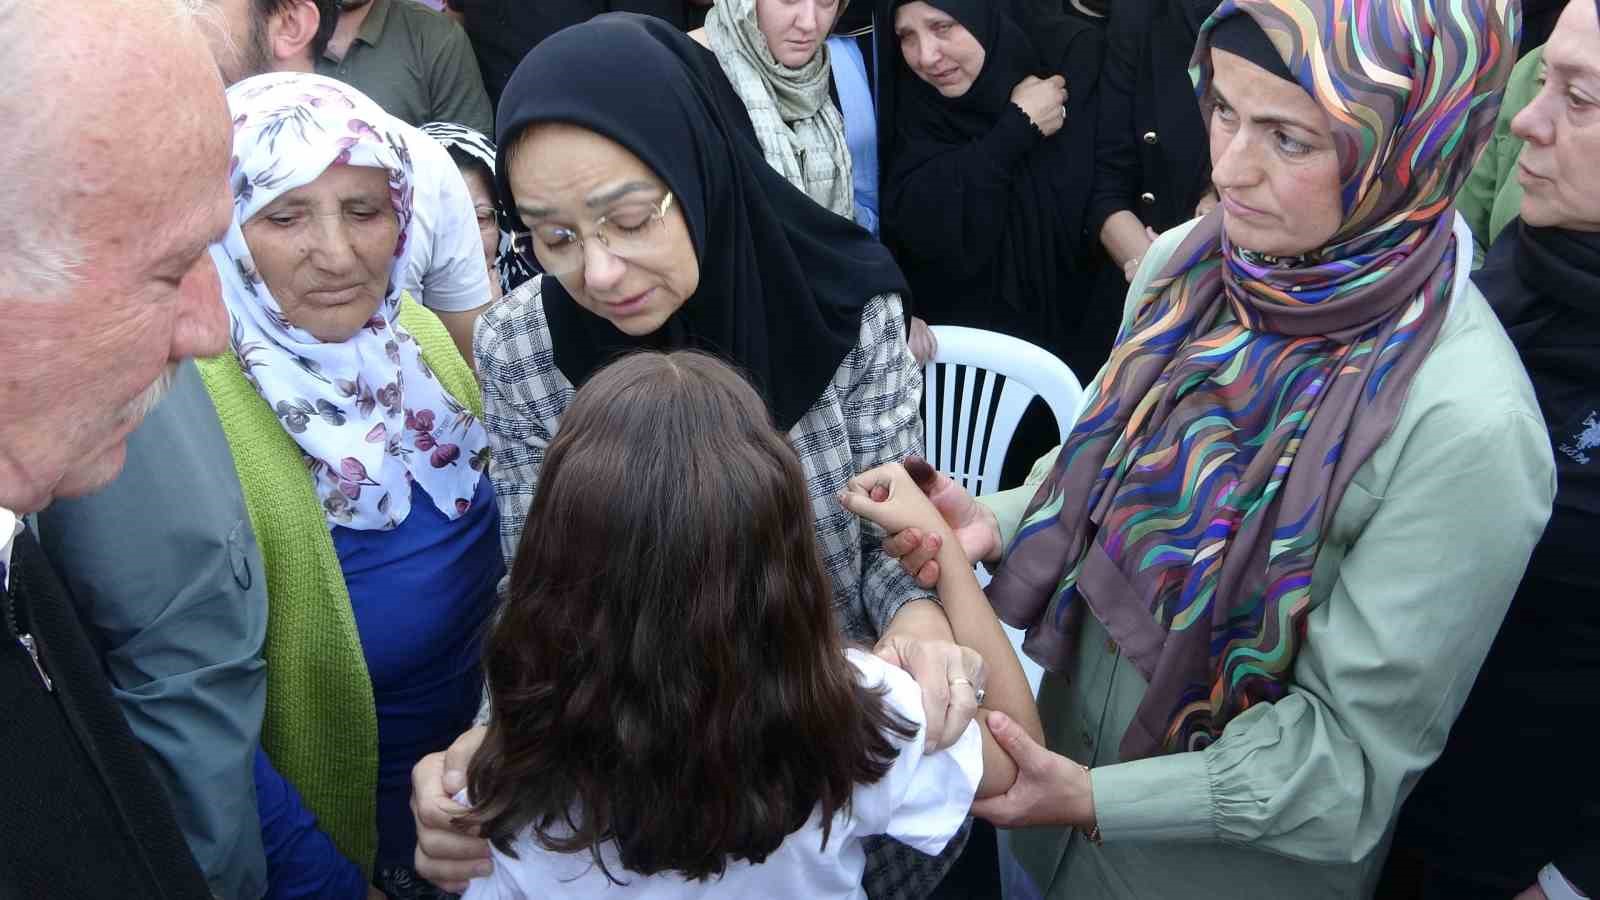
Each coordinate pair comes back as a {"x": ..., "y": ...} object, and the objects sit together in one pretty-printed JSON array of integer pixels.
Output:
[
  {"x": 783, "y": 281},
  {"x": 1043, "y": 241}
]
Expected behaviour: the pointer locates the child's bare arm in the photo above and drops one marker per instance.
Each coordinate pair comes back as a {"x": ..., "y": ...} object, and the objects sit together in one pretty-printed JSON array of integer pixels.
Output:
[{"x": 972, "y": 619}]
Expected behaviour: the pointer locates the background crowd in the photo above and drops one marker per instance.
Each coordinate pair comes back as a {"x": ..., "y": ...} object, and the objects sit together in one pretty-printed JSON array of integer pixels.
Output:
[{"x": 468, "y": 447}]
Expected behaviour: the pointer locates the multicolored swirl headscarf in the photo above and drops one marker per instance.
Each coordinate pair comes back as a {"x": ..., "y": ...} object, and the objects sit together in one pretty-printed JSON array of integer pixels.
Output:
[
  {"x": 1187, "y": 507},
  {"x": 368, "y": 413}
]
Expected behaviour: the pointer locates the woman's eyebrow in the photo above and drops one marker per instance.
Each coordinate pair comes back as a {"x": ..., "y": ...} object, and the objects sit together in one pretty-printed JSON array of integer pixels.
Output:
[
  {"x": 606, "y": 198},
  {"x": 594, "y": 201}
]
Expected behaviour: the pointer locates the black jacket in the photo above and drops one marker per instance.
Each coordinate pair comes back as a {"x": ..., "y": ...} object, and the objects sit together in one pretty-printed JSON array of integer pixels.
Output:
[
  {"x": 1151, "y": 157},
  {"x": 82, "y": 815},
  {"x": 503, "y": 31},
  {"x": 1517, "y": 786}
]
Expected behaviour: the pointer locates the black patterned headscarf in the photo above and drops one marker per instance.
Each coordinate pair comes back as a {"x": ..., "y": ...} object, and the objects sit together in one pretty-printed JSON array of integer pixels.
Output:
[{"x": 511, "y": 265}]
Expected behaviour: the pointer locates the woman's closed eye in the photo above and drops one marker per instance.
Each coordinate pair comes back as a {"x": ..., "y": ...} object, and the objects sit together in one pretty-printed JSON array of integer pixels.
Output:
[
  {"x": 630, "y": 219},
  {"x": 556, "y": 237}
]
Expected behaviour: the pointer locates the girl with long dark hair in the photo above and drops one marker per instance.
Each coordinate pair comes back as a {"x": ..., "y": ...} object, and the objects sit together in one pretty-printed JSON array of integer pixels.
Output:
[{"x": 675, "y": 711}]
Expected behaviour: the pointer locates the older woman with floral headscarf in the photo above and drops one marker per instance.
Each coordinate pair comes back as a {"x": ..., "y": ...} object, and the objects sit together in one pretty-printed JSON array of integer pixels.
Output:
[
  {"x": 354, "y": 427},
  {"x": 1271, "y": 557}
]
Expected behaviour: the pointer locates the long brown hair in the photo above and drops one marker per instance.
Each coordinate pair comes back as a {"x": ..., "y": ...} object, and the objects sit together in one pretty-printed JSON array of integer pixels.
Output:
[{"x": 667, "y": 674}]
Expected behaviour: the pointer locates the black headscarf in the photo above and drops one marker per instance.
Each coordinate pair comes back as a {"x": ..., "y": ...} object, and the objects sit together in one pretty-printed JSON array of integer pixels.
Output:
[
  {"x": 1042, "y": 242},
  {"x": 782, "y": 280},
  {"x": 1244, "y": 37}
]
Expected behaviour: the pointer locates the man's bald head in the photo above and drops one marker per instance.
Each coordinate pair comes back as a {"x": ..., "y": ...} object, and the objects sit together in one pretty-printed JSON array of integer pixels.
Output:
[
  {"x": 113, "y": 182},
  {"x": 74, "y": 88}
]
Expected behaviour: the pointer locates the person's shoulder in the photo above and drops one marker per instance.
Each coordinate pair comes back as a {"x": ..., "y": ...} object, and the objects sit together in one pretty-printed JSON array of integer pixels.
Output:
[
  {"x": 422, "y": 20},
  {"x": 1154, "y": 260},
  {"x": 514, "y": 327},
  {"x": 1524, "y": 81},
  {"x": 1472, "y": 378}
]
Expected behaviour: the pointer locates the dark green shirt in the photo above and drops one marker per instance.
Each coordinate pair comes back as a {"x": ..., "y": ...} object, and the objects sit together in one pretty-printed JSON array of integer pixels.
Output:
[{"x": 417, "y": 65}]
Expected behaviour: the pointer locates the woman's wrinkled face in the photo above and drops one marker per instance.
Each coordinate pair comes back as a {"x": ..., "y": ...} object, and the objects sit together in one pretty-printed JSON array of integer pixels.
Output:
[
  {"x": 563, "y": 179},
  {"x": 940, "y": 50},
  {"x": 1559, "y": 168},
  {"x": 481, "y": 191},
  {"x": 325, "y": 250},
  {"x": 796, "y": 29},
  {"x": 1273, "y": 160}
]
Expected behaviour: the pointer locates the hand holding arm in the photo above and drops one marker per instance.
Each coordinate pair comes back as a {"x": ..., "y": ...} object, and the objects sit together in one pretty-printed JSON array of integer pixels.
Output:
[
  {"x": 447, "y": 855},
  {"x": 971, "y": 523},
  {"x": 1043, "y": 101},
  {"x": 972, "y": 620}
]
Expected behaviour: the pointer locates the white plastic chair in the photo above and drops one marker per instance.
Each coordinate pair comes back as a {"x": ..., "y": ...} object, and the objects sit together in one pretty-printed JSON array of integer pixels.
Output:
[{"x": 975, "y": 390}]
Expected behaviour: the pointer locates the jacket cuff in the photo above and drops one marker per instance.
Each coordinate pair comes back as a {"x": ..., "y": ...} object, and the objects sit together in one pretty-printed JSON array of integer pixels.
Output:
[{"x": 1159, "y": 799}]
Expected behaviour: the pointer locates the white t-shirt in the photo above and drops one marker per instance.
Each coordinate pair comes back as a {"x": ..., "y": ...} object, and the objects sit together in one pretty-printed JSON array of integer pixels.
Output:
[
  {"x": 921, "y": 801},
  {"x": 447, "y": 271}
]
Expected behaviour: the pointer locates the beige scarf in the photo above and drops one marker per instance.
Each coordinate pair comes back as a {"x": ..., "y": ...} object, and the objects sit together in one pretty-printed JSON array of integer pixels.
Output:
[{"x": 799, "y": 127}]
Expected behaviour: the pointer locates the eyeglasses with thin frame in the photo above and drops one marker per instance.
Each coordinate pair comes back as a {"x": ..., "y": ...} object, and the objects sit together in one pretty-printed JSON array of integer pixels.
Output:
[{"x": 628, "y": 232}]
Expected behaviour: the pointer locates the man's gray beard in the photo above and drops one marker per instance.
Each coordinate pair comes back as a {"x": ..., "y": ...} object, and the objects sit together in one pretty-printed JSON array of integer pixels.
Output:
[{"x": 146, "y": 403}]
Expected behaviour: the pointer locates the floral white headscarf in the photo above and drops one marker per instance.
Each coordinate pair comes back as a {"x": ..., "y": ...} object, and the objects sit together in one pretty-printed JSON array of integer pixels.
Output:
[{"x": 368, "y": 413}]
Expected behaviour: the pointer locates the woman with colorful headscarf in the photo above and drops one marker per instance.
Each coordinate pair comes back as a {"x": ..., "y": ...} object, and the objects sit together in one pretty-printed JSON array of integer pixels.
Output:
[
  {"x": 354, "y": 426},
  {"x": 473, "y": 154},
  {"x": 1269, "y": 560}
]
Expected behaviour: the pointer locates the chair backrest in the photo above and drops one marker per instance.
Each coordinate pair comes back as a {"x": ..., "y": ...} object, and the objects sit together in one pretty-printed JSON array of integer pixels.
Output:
[{"x": 976, "y": 388}]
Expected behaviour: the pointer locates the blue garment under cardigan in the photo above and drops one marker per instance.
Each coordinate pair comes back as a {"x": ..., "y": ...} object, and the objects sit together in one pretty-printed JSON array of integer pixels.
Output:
[{"x": 422, "y": 596}]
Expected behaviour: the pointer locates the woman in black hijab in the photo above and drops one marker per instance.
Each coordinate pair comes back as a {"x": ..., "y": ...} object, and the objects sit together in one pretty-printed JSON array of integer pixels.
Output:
[
  {"x": 987, "y": 193},
  {"x": 1522, "y": 751},
  {"x": 658, "y": 224}
]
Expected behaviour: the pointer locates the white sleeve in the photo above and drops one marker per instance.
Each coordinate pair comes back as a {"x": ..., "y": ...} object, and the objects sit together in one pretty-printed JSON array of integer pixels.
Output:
[
  {"x": 497, "y": 885},
  {"x": 501, "y": 883},
  {"x": 924, "y": 798},
  {"x": 449, "y": 273}
]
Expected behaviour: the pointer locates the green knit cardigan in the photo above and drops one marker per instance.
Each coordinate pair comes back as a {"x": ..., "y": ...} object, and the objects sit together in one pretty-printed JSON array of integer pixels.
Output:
[{"x": 321, "y": 725}]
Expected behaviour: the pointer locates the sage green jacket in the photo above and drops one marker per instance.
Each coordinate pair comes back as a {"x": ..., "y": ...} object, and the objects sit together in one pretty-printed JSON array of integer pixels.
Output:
[
  {"x": 1297, "y": 798},
  {"x": 1492, "y": 197}
]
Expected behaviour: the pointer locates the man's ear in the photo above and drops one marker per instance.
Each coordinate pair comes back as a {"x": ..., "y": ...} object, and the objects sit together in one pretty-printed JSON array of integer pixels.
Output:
[{"x": 290, "y": 32}]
